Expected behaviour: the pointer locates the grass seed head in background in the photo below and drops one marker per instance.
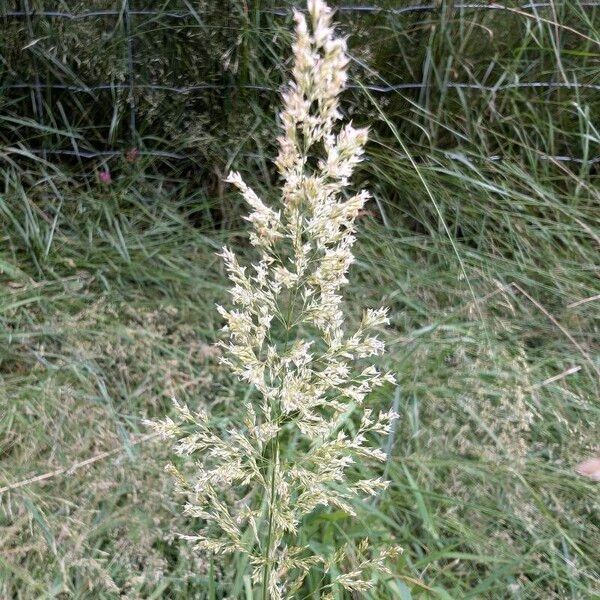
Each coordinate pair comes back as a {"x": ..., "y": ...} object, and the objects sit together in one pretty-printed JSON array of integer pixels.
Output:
[{"x": 256, "y": 482}]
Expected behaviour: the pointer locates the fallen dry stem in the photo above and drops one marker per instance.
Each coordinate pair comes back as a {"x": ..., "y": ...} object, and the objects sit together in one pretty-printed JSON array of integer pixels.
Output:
[{"x": 76, "y": 466}]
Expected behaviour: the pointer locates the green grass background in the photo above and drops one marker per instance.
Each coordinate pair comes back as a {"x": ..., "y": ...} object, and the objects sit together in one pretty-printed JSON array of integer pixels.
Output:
[{"x": 486, "y": 250}]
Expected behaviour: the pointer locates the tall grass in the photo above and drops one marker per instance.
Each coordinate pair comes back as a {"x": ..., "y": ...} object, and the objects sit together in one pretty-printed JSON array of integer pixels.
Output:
[{"x": 484, "y": 248}]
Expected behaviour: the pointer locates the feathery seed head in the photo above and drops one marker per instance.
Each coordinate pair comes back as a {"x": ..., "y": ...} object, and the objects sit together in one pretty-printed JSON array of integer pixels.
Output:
[{"x": 287, "y": 338}]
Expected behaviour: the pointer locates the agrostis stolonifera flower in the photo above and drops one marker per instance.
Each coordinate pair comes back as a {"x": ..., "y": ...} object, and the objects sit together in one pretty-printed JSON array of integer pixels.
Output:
[{"x": 286, "y": 338}]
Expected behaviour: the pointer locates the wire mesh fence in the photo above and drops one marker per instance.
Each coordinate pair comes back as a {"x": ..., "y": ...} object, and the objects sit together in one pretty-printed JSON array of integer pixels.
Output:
[{"x": 130, "y": 19}]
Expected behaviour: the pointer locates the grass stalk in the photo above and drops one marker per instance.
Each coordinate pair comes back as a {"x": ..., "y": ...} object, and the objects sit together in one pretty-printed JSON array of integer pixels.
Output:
[{"x": 270, "y": 515}]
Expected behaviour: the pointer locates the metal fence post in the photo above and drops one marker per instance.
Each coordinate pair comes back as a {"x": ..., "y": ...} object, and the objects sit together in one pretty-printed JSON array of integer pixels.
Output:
[
  {"x": 127, "y": 16},
  {"x": 38, "y": 101}
]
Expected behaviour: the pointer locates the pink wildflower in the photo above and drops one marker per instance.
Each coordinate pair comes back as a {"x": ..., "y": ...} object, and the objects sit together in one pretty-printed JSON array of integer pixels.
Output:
[
  {"x": 132, "y": 155},
  {"x": 105, "y": 177}
]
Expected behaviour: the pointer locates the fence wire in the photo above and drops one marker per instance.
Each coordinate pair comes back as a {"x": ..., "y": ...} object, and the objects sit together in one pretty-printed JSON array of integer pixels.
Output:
[
  {"x": 180, "y": 156},
  {"x": 282, "y": 11},
  {"x": 384, "y": 89},
  {"x": 127, "y": 13}
]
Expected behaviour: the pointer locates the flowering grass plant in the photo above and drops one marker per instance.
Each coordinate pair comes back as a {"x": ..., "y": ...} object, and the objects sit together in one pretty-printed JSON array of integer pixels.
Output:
[{"x": 287, "y": 339}]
